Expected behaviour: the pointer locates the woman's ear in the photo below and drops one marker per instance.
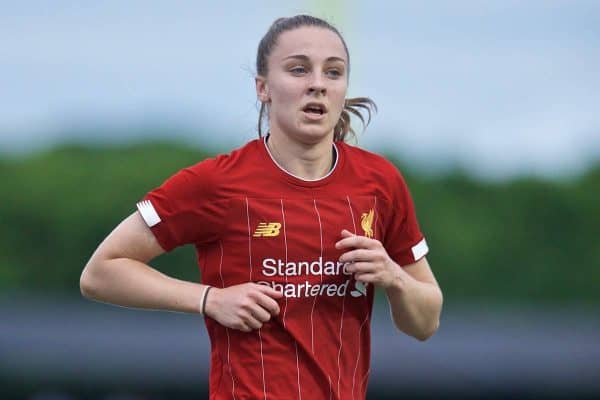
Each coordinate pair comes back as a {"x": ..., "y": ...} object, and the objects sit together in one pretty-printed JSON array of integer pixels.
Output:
[{"x": 262, "y": 89}]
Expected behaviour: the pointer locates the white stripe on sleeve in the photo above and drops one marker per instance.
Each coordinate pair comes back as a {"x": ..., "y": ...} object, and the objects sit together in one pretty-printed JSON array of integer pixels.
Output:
[
  {"x": 148, "y": 213},
  {"x": 420, "y": 249}
]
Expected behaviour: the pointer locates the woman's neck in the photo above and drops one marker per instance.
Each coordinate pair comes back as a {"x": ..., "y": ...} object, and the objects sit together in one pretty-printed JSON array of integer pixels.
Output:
[{"x": 307, "y": 161}]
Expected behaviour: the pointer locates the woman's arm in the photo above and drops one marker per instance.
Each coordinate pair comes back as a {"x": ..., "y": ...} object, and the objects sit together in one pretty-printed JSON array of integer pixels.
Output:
[
  {"x": 413, "y": 293},
  {"x": 415, "y": 300},
  {"x": 118, "y": 273}
]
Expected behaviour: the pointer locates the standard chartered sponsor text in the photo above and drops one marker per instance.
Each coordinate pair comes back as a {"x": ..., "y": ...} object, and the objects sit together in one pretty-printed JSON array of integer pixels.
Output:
[
  {"x": 276, "y": 267},
  {"x": 273, "y": 267}
]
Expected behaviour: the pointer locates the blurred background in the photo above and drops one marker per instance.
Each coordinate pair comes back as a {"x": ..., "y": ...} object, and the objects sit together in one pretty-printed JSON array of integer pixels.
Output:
[{"x": 489, "y": 108}]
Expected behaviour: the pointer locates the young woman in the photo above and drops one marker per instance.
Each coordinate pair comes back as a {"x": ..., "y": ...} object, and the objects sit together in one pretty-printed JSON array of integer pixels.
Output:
[{"x": 294, "y": 231}]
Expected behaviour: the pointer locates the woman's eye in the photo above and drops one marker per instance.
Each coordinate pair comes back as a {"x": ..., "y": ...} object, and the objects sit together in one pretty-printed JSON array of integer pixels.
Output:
[
  {"x": 334, "y": 73},
  {"x": 298, "y": 70}
]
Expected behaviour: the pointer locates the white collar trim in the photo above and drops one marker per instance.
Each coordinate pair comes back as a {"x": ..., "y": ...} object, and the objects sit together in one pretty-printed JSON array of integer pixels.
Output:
[{"x": 337, "y": 158}]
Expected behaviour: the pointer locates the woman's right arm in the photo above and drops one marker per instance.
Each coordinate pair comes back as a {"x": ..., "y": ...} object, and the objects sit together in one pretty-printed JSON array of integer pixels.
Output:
[{"x": 118, "y": 273}]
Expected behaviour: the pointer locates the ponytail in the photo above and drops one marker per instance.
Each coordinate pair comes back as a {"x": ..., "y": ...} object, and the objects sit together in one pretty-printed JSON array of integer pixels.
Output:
[{"x": 354, "y": 106}]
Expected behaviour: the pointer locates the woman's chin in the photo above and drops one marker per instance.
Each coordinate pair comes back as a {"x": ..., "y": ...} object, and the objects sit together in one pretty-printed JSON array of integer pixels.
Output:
[
  {"x": 315, "y": 132},
  {"x": 308, "y": 133},
  {"x": 314, "y": 135}
]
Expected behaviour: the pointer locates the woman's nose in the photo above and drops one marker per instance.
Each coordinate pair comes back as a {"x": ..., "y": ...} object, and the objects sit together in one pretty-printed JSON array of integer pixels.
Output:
[
  {"x": 317, "y": 89},
  {"x": 317, "y": 85}
]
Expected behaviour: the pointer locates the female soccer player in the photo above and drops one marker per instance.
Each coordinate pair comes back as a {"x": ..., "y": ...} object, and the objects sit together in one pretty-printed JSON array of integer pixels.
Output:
[{"x": 293, "y": 231}]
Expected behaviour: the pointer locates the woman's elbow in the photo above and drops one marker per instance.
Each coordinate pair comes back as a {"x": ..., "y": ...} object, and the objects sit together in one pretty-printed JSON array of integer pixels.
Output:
[
  {"x": 420, "y": 333},
  {"x": 434, "y": 325},
  {"x": 426, "y": 334},
  {"x": 88, "y": 281}
]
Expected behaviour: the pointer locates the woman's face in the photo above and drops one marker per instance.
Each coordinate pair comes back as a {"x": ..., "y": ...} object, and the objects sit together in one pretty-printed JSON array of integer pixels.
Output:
[{"x": 306, "y": 83}]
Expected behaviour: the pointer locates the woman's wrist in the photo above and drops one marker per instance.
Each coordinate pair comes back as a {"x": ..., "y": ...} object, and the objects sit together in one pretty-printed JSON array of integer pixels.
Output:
[
  {"x": 211, "y": 302},
  {"x": 203, "y": 297},
  {"x": 399, "y": 280}
]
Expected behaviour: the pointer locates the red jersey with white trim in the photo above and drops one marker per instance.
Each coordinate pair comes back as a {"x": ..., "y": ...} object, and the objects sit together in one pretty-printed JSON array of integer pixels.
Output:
[{"x": 251, "y": 221}]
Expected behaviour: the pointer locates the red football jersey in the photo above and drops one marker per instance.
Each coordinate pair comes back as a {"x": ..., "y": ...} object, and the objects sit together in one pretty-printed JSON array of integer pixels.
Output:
[{"x": 250, "y": 220}]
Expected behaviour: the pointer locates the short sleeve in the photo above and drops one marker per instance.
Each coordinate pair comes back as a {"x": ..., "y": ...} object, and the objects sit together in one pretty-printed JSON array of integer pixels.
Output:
[
  {"x": 403, "y": 239},
  {"x": 185, "y": 209}
]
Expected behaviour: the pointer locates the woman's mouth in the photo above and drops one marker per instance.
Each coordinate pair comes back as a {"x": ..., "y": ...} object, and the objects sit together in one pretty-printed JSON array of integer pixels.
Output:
[{"x": 314, "y": 111}]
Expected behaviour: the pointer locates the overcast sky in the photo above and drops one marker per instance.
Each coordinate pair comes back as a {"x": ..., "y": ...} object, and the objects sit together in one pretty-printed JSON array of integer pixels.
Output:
[{"x": 500, "y": 87}]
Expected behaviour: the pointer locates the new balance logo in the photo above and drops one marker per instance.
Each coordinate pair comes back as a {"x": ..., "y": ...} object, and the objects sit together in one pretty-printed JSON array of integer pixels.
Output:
[{"x": 267, "y": 229}]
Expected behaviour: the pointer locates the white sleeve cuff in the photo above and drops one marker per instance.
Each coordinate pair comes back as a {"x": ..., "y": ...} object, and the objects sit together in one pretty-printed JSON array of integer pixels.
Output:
[
  {"x": 420, "y": 249},
  {"x": 148, "y": 213}
]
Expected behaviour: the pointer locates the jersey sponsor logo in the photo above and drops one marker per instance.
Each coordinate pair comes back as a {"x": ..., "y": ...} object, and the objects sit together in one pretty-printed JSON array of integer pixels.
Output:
[
  {"x": 265, "y": 229},
  {"x": 366, "y": 222},
  {"x": 360, "y": 289},
  {"x": 278, "y": 268}
]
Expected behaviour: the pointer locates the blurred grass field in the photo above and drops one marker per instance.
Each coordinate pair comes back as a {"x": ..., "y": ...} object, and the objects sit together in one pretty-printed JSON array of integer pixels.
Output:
[
  {"x": 517, "y": 261},
  {"x": 519, "y": 241}
]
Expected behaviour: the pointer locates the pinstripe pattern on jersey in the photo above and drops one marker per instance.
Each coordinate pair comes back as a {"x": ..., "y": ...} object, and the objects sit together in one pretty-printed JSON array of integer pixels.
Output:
[
  {"x": 375, "y": 221},
  {"x": 286, "y": 260},
  {"x": 340, "y": 340},
  {"x": 226, "y": 329},
  {"x": 262, "y": 360},
  {"x": 354, "y": 228},
  {"x": 249, "y": 239},
  {"x": 358, "y": 356},
  {"x": 351, "y": 214},
  {"x": 312, "y": 330},
  {"x": 286, "y": 257},
  {"x": 262, "y": 363},
  {"x": 343, "y": 306},
  {"x": 364, "y": 379},
  {"x": 298, "y": 369},
  {"x": 366, "y": 299},
  {"x": 250, "y": 174}
]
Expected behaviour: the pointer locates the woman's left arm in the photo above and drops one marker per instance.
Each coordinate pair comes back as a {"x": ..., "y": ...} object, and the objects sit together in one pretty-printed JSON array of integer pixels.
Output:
[
  {"x": 415, "y": 299},
  {"x": 413, "y": 293}
]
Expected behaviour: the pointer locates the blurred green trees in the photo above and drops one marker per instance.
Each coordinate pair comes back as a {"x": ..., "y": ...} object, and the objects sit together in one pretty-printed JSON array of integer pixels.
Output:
[{"x": 524, "y": 240}]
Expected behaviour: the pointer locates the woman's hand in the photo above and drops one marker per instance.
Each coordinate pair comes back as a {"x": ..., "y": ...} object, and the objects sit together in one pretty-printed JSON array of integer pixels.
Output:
[
  {"x": 244, "y": 307},
  {"x": 368, "y": 260}
]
